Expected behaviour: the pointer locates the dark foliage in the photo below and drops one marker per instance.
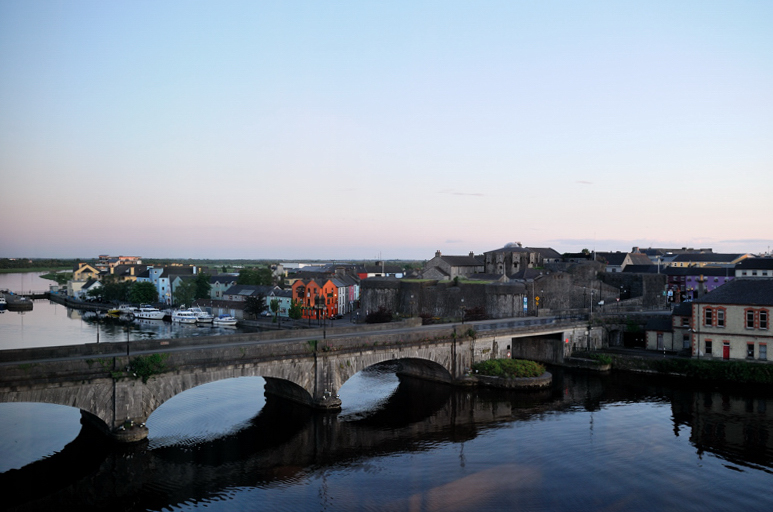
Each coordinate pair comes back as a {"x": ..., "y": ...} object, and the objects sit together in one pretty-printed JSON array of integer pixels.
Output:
[{"x": 381, "y": 316}]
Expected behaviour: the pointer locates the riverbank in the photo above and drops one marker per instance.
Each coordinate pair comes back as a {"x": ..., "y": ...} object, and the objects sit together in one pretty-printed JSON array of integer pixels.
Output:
[{"x": 744, "y": 373}]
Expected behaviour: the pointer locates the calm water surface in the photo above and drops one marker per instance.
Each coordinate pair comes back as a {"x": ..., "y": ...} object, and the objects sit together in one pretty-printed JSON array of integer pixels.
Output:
[
  {"x": 50, "y": 323},
  {"x": 615, "y": 442},
  {"x": 592, "y": 442}
]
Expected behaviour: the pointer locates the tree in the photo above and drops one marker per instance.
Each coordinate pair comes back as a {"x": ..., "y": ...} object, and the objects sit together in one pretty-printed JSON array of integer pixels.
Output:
[
  {"x": 141, "y": 292},
  {"x": 185, "y": 292},
  {"x": 275, "y": 307},
  {"x": 257, "y": 276},
  {"x": 295, "y": 310},
  {"x": 203, "y": 287},
  {"x": 255, "y": 305},
  {"x": 113, "y": 290}
]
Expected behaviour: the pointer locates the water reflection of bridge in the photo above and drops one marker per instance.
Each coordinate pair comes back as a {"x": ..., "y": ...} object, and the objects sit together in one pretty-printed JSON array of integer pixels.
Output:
[{"x": 284, "y": 440}]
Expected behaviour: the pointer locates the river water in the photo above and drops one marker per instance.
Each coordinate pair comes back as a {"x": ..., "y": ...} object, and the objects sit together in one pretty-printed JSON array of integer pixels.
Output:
[
  {"x": 591, "y": 442},
  {"x": 50, "y": 323}
]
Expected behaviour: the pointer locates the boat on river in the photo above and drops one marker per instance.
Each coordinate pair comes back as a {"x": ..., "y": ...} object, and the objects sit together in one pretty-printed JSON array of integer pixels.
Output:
[
  {"x": 224, "y": 320},
  {"x": 148, "y": 312},
  {"x": 183, "y": 316},
  {"x": 202, "y": 316},
  {"x": 2, "y": 303},
  {"x": 123, "y": 309}
]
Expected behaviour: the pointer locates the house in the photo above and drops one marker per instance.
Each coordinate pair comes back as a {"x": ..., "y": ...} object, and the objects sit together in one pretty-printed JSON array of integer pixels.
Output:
[
  {"x": 85, "y": 271},
  {"x": 448, "y": 267},
  {"x": 547, "y": 254},
  {"x": 670, "y": 333},
  {"x": 708, "y": 260},
  {"x": 733, "y": 321},
  {"x": 754, "y": 267},
  {"x": 219, "y": 284},
  {"x": 510, "y": 259},
  {"x": 240, "y": 292},
  {"x": 90, "y": 285},
  {"x": 284, "y": 299},
  {"x": 689, "y": 283},
  {"x": 379, "y": 269},
  {"x": 618, "y": 261},
  {"x": 318, "y": 298},
  {"x": 127, "y": 272}
]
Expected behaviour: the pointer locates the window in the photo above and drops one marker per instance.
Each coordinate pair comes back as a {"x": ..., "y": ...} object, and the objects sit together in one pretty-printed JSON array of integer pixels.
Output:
[
  {"x": 750, "y": 319},
  {"x": 763, "y": 319},
  {"x": 754, "y": 272},
  {"x": 750, "y": 350},
  {"x": 708, "y": 317},
  {"x": 763, "y": 351},
  {"x": 708, "y": 347},
  {"x": 743, "y": 273},
  {"x": 686, "y": 341},
  {"x": 685, "y": 321},
  {"x": 720, "y": 318}
]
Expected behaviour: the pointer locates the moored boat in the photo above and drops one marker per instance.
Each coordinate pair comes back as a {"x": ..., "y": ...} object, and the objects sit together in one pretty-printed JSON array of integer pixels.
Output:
[
  {"x": 224, "y": 320},
  {"x": 148, "y": 312},
  {"x": 183, "y": 316},
  {"x": 202, "y": 316}
]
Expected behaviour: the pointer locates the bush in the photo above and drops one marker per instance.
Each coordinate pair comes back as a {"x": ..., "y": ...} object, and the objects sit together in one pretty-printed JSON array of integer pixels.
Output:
[
  {"x": 601, "y": 358},
  {"x": 382, "y": 316},
  {"x": 517, "y": 368}
]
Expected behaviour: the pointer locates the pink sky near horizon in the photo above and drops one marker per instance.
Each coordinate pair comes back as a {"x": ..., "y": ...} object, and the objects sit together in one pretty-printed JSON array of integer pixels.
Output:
[{"x": 349, "y": 131}]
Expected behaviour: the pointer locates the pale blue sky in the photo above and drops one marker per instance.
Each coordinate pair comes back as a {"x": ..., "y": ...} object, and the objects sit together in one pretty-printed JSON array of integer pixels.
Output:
[{"x": 348, "y": 129}]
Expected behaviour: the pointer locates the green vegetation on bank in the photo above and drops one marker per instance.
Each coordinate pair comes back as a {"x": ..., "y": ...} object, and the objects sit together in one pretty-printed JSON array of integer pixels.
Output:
[
  {"x": 22, "y": 270},
  {"x": 34, "y": 264},
  {"x": 516, "y": 368},
  {"x": 59, "y": 277},
  {"x": 739, "y": 372}
]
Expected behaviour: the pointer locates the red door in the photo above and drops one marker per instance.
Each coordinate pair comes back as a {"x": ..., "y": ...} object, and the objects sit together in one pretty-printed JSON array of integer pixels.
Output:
[{"x": 726, "y": 350}]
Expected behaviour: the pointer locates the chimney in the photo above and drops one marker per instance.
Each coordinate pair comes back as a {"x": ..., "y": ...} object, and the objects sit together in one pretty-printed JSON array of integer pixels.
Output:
[
  {"x": 437, "y": 254},
  {"x": 472, "y": 254}
]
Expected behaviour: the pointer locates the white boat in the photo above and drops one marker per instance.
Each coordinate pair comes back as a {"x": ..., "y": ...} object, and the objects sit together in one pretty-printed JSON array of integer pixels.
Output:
[
  {"x": 183, "y": 316},
  {"x": 148, "y": 312},
  {"x": 202, "y": 316},
  {"x": 123, "y": 309},
  {"x": 224, "y": 320}
]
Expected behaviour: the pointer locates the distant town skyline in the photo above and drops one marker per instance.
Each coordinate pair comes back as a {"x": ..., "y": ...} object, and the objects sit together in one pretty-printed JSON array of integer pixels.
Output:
[{"x": 348, "y": 130}]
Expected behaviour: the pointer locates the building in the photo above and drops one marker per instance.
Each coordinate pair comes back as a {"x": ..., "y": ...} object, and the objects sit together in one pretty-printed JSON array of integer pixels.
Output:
[
  {"x": 754, "y": 267},
  {"x": 733, "y": 321},
  {"x": 318, "y": 298},
  {"x": 708, "y": 260},
  {"x": 448, "y": 267}
]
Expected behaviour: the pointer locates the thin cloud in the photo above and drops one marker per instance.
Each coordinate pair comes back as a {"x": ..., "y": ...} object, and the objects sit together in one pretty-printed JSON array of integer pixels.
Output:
[
  {"x": 454, "y": 193},
  {"x": 583, "y": 182}
]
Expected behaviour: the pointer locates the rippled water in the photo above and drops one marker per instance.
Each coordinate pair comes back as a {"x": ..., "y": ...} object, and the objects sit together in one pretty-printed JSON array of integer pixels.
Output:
[{"x": 618, "y": 442}]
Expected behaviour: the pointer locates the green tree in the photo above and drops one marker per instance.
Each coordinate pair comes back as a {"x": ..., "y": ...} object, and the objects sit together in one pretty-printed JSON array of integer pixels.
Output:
[
  {"x": 255, "y": 305},
  {"x": 114, "y": 290},
  {"x": 185, "y": 292},
  {"x": 203, "y": 288},
  {"x": 261, "y": 276},
  {"x": 274, "y": 307},
  {"x": 141, "y": 292},
  {"x": 295, "y": 310}
]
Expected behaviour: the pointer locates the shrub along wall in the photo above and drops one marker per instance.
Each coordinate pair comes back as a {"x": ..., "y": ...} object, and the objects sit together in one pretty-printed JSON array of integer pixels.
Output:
[{"x": 720, "y": 371}]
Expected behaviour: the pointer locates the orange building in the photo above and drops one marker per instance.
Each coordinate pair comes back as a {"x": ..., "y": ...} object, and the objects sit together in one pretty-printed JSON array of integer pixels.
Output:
[{"x": 318, "y": 299}]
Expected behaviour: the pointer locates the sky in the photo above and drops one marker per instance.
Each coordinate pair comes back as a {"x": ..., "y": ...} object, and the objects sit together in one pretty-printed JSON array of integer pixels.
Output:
[{"x": 368, "y": 130}]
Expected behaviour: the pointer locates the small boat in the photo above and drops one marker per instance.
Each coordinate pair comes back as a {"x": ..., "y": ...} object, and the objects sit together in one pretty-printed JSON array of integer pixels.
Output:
[
  {"x": 123, "y": 309},
  {"x": 224, "y": 320},
  {"x": 183, "y": 316},
  {"x": 202, "y": 316},
  {"x": 148, "y": 312}
]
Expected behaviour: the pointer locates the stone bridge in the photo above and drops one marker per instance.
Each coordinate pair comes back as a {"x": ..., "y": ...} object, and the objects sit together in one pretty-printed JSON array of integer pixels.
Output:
[{"x": 117, "y": 387}]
